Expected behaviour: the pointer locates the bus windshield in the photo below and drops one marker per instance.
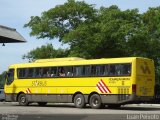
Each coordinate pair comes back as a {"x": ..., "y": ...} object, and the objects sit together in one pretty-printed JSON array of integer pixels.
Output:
[{"x": 10, "y": 76}]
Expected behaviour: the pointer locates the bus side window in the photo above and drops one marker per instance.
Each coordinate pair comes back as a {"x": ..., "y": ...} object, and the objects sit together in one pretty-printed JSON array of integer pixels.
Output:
[
  {"x": 101, "y": 70},
  {"x": 46, "y": 72},
  {"x": 126, "y": 70},
  {"x": 87, "y": 70},
  {"x": 69, "y": 71},
  {"x": 54, "y": 72},
  {"x": 118, "y": 68},
  {"x": 61, "y": 72},
  {"x": 93, "y": 70},
  {"x": 98, "y": 70},
  {"x": 30, "y": 73},
  {"x": 38, "y": 72},
  {"x": 21, "y": 73},
  {"x": 112, "y": 69},
  {"x": 78, "y": 71},
  {"x": 106, "y": 71}
]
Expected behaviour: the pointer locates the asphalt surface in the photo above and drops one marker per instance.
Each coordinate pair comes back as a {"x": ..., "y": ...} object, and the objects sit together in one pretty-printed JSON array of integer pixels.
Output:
[{"x": 12, "y": 111}]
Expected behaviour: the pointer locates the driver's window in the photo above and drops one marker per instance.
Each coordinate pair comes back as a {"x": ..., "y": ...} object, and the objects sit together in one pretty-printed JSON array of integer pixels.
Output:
[{"x": 10, "y": 77}]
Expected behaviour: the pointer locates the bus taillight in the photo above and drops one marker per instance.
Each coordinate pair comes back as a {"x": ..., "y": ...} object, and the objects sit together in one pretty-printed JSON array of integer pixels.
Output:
[{"x": 134, "y": 88}]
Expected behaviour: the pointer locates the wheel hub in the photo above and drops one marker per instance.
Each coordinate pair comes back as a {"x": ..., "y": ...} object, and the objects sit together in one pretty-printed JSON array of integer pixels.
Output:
[
  {"x": 95, "y": 102},
  {"x": 79, "y": 101},
  {"x": 23, "y": 99}
]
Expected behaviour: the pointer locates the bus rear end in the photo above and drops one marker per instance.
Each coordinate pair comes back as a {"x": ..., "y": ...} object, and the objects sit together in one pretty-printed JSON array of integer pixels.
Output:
[{"x": 143, "y": 85}]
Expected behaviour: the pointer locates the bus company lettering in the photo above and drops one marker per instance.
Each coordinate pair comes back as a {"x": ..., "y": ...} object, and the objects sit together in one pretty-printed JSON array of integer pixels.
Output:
[
  {"x": 39, "y": 83},
  {"x": 145, "y": 68},
  {"x": 119, "y": 79}
]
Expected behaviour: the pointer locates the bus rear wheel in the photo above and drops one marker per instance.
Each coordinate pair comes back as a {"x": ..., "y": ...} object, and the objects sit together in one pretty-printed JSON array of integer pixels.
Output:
[
  {"x": 95, "y": 101},
  {"x": 22, "y": 99},
  {"x": 42, "y": 103},
  {"x": 79, "y": 101}
]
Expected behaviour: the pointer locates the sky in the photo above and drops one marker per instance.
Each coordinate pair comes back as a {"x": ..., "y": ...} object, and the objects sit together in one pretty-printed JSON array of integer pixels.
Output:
[{"x": 16, "y": 13}]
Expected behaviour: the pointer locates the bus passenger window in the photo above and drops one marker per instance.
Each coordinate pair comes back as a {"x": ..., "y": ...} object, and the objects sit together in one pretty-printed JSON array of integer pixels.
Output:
[
  {"x": 53, "y": 71},
  {"x": 86, "y": 70},
  {"x": 69, "y": 71},
  {"x": 38, "y": 72},
  {"x": 106, "y": 71},
  {"x": 78, "y": 70},
  {"x": 30, "y": 73},
  {"x": 21, "y": 73},
  {"x": 112, "y": 70},
  {"x": 98, "y": 70},
  {"x": 126, "y": 69},
  {"x": 61, "y": 72},
  {"x": 118, "y": 68},
  {"x": 46, "y": 72},
  {"x": 93, "y": 70}
]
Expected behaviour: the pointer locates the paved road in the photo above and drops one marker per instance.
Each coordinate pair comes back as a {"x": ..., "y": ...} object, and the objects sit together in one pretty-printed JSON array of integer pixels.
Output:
[{"x": 69, "y": 112}]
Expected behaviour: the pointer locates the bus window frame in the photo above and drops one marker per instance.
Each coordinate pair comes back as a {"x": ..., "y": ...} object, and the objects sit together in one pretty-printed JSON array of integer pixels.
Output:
[{"x": 107, "y": 66}]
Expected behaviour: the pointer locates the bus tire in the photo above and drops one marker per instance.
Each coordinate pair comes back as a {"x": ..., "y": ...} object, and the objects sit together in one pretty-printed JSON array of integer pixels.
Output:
[
  {"x": 22, "y": 99},
  {"x": 79, "y": 101},
  {"x": 95, "y": 101},
  {"x": 42, "y": 103}
]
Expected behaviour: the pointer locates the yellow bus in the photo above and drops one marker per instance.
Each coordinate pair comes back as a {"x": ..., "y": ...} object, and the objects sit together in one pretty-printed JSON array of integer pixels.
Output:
[{"x": 97, "y": 82}]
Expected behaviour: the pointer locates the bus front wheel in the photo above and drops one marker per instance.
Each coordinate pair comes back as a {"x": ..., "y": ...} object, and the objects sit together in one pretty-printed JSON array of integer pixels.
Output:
[
  {"x": 95, "y": 101},
  {"x": 79, "y": 101},
  {"x": 22, "y": 99}
]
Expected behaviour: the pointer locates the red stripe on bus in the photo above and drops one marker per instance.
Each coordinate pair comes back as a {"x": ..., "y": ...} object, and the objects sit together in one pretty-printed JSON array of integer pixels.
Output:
[
  {"x": 106, "y": 86},
  {"x": 100, "y": 89},
  {"x": 103, "y": 87},
  {"x": 29, "y": 90}
]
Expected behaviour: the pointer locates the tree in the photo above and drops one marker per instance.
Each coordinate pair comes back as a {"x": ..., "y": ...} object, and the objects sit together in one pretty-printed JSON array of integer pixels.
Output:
[
  {"x": 62, "y": 19},
  {"x": 2, "y": 79},
  {"x": 107, "y": 36},
  {"x": 151, "y": 19},
  {"x": 45, "y": 51},
  {"x": 98, "y": 33}
]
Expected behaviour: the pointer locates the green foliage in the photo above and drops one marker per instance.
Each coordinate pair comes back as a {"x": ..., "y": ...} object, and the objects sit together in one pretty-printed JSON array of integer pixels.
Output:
[
  {"x": 98, "y": 33},
  {"x": 58, "y": 21},
  {"x": 45, "y": 51},
  {"x": 2, "y": 79}
]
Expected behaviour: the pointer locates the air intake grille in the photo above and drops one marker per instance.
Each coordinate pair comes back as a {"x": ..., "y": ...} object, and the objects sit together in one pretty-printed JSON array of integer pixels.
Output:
[{"x": 123, "y": 94}]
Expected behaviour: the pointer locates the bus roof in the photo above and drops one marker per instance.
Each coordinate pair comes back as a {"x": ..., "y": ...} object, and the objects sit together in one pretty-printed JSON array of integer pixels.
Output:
[
  {"x": 75, "y": 61},
  {"x": 58, "y": 59}
]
